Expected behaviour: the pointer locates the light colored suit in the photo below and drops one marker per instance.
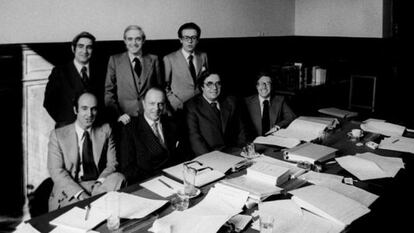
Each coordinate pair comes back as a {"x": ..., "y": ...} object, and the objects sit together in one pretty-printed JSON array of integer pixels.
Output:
[
  {"x": 63, "y": 163},
  {"x": 123, "y": 89},
  {"x": 279, "y": 113},
  {"x": 180, "y": 84}
]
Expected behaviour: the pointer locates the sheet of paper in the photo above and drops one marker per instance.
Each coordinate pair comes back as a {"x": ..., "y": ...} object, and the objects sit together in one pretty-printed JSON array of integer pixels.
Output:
[
  {"x": 157, "y": 186},
  {"x": 75, "y": 219},
  {"x": 329, "y": 204},
  {"x": 384, "y": 128},
  {"x": 277, "y": 141},
  {"x": 63, "y": 229},
  {"x": 26, "y": 228},
  {"x": 204, "y": 177},
  {"x": 302, "y": 129},
  {"x": 318, "y": 177},
  {"x": 389, "y": 165},
  {"x": 293, "y": 169},
  {"x": 402, "y": 144},
  {"x": 132, "y": 206},
  {"x": 361, "y": 168}
]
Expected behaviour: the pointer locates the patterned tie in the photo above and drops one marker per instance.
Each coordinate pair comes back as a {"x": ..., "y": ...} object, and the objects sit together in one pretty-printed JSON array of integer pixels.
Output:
[
  {"x": 265, "y": 117},
  {"x": 85, "y": 78},
  {"x": 192, "y": 68},
  {"x": 90, "y": 172},
  {"x": 137, "y": 66},
  {"x": 157, "y": 132}
]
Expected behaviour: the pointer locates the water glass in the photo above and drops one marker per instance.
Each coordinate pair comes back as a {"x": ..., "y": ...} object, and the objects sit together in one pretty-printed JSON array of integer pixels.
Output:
[
  {"x": 112, "y": 201},
  {"x": 266, "y": 223},
  {"x": 180, "y": 200},
  {"x": 249, "y": 151},
  {"x": 189, "y": 176}
]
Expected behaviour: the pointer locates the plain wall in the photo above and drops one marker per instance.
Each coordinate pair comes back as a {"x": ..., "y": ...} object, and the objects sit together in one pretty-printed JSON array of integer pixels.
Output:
[
  {"x": 31, "y": 21},
  {"x": 351, "y": 18}
]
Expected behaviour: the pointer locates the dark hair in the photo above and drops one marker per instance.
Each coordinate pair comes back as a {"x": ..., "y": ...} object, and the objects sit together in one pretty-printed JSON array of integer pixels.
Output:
[
  {"x": 83, "y": 35},
  {"x": 190, "y": 25},
  {"x": 78, "y": 95},
  {"x": 263, "y": 73},
  {"x": 135, "y": 27},
  {"x": 204, "y": 76}
]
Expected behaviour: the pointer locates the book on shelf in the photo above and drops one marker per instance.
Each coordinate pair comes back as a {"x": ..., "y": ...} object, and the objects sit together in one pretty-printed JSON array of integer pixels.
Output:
[
  {"x": 310, "y": 152},
  {"x": 336, "y": 112}
]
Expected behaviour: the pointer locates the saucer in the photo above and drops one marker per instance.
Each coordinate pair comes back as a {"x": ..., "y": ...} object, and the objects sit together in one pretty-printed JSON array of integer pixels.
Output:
[{"x": 198, "y": 191}]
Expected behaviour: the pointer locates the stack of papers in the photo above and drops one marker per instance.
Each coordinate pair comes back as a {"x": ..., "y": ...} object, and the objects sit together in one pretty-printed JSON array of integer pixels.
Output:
[
  {"x": 131, "y": 206},
  {"x": 220, "y": 204},
  {"x": 293, "y": 169},
  {"x": 269, "y": 173},
  {"x": 336, "y": 112},
  {"x": 385, "y": 128},
  {"x": 277, "y": 141},
  {"x": 402, "y": 144},
  {"x": 74, "y": 219},
  {"x": 216, "y": 163},
  {"x": 304, "y": 128},
  {"x": 310, "y": 152},
  {"x": 368, "y": 165},
  {"x": 329, "y": 204}
]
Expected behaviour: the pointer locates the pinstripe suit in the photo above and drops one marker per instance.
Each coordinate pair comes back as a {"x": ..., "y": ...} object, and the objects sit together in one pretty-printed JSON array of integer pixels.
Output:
[{"x": 142, "y": 154}]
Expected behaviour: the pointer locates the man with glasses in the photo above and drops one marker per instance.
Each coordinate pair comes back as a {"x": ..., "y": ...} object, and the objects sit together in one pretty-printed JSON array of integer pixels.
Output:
[
  {"x": 68, "y": 80},
  {"x": 213, "y": 121},
  {"x": 267, "y": 113},
  {"x": 184, "y": 66},
  {"x": 129, "y": 76}
]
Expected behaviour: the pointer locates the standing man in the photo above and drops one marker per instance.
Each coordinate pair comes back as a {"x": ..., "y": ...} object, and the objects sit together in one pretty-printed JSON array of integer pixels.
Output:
[
  {"x": 82, "y": 157},
  {"x": 149, "y": 143},
  {"x": 184, "y": 66},
  {"x": 129, "y": 76},
  {"x": 68, "y": 80},
  {"x": 213, "y": 121},
  {"x": 267, "y": 113}
]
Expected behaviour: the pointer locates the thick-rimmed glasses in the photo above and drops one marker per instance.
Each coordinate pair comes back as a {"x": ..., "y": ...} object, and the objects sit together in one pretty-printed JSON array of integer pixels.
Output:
[
  {"x": 190, "y": 38},
  {"x": 213, "y": 84},
  {"x": 262, "y": 84}
]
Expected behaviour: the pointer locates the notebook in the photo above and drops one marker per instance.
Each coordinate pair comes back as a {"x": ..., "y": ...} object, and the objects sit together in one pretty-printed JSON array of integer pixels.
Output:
[{"x": 310, "y": 152}]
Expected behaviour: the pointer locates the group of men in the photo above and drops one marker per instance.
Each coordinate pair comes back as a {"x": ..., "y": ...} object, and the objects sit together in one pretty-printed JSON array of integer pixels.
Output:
[{"x": 160, "y": 119}]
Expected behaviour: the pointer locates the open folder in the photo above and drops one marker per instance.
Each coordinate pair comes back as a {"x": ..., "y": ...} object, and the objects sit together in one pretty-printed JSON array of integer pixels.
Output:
[{"x": 210, "y": 167}]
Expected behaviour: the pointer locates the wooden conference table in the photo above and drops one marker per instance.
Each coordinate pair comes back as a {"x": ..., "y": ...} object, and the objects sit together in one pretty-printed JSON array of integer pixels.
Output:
[{"x": 391, "y": 212}]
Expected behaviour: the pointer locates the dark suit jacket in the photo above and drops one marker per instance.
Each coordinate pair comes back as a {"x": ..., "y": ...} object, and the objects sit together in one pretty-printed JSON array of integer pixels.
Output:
[
  {"x": 180, "y": 84},
  {"x": 64, "y": 85},
  {"x": 123, "y": 89},
  {"x": 280, "y": 114},
  {"x": 142, "y": 154},
  {"x": 204, "y": 131}
]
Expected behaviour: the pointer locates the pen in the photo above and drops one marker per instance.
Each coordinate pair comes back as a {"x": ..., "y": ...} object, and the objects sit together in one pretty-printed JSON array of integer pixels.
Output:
[
  {"x": 396, "y": 140},
  {"x": 163, "y": 182},
  {"x": 88, "y": 209}
]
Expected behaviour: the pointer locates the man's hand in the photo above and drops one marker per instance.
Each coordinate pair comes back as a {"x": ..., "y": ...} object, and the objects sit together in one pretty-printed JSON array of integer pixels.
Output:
[
  {"x": 83, "y": 196},
  {"x": 272, "y": 130},
  {"x": 97, "y": 189},
  {"x": 125, "y": 119}
]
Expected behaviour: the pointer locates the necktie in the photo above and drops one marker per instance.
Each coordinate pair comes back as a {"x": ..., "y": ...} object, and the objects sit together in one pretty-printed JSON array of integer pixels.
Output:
[
  {"x": 157, "y": 132},
  {"x": 192, "y": 67},
  {"x": 85, "y": 78},
  {"x": 215, "y": 109},
  {"x": 265, "y": 117},
  {"x": 137, "y": 66},
  {"x": 90, "y": 172}
]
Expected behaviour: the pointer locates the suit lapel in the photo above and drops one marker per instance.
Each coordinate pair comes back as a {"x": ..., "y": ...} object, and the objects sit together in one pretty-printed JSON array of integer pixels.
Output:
[
  {"x": 273, "y": 108},
  {"x": 257, "y": 113},
  {"x": 126, "y": 67},
  {"x": 148, "y": 135},
  {"x": 206, "y": 109},
  {"x": 225, "y": 110},
  {"x": 146, "y": 71},
  {"x": 97, "y": 143},
  {"x": 74, "y": 77},
  {"x": 184, "y": 66},
  {"x": 70, "y": 145},
  {"x": 199, "y": 64}
]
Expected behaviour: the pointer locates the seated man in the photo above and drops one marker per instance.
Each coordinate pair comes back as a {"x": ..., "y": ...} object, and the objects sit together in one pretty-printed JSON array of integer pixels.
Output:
[
  {"x": 150, "y": 142},
  {"x": 267, "y": 113},
  {"x": 82, "y": 157},
  {"x": 213, "y": 121}
]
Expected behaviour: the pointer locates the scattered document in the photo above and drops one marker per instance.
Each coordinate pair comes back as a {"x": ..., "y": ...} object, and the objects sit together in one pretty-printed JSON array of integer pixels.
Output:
[
  {"x": 277, "y": 141},
  {"x": 303, "y": 129},
  {"x": 402, "y": 144},
  {"x": 363, "y": 169},
  {"x": 319, "y": 177},
  {"x": 336, "y": 112},
  {"x": 162, "y": 186},
  {"x": 26, "y": 228},
  {"x": 385, "y": 128},
  {"x": 219, "y": 161},
  {"x": 329, "y": 204},
  {"x": 220, "y": 204},
  {"x": 293, "y": 169},
  {"x": 290, "y": 218},
  {"x": 131, "y": 206},
  {"x": 310, "y": 152},
  {"x": 63, "y": 229},
  {"x": 389, "y": 165},
  {"x": 74, "y": 219},
  {"x": 205, "y": 176}
]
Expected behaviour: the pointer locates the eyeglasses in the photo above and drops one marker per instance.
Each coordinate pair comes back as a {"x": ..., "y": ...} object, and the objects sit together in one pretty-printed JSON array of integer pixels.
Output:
[
  {"x": 213, "y": 84},
  {"x": 268, "y": 84},
  {"x": 190, "y": 38}
]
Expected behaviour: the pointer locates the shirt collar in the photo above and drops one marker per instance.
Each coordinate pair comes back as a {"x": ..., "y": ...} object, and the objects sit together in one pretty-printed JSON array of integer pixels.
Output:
[
  {"x": 80, "y": 131},
  {"x": 79, "y": 66},
  {"x": 132, "y": 56},
  {"x": 261, "y": 99},
  {"x": 151, "y": 122},
  {"x": 209, "y": 101},
  {"x": 186, "y": 54}
]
